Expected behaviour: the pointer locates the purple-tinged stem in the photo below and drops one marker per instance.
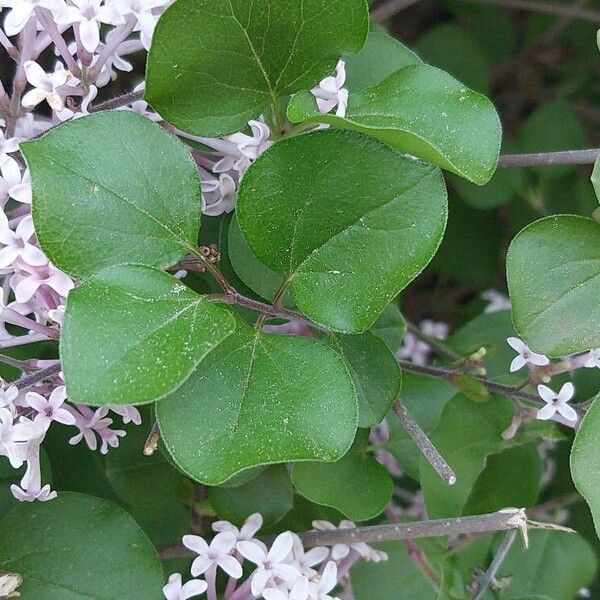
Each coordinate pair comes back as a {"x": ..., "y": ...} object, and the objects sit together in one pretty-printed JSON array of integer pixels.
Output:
[
  {"x": 47, "y": 22},
  {"x": 12, "y": 316}
]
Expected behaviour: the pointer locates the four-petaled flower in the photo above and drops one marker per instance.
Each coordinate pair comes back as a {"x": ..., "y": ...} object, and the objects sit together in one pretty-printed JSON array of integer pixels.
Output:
[
  {"x": 15, "y": 437},
  {"x": 45, "y": 86},
  {"x": 49, "y": 410},
  {"x": 174, "y": 590},
  {"x": 17, "y": 243},
  {"x": 331, "y": 92},
  {"x": 557, "y": 403},
  {"x": 525, "y": 355},
  {"x": 299, "y": 591},
  {"x": 593, "y": 359},
  {"x": 218, "y": 554},
  {"x": 247, "y": 531},
  {"x": 271, "y": 564},
  {"x": 327, "y": 581}
]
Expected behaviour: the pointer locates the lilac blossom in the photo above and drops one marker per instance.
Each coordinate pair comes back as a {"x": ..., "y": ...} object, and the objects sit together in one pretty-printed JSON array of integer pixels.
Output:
[
  {"x": 217, "y": 554},
  {"x": 525, "y": 355},
  {"x": 49, "y": 409},
  {"x": 557, "y": 403},
  {"x": 175, "y": 590}
]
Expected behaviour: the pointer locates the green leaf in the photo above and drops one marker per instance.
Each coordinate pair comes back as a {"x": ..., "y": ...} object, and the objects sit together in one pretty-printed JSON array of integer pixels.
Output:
[
  {"x": 596, "y": 178},
  {"x": 123, "y": 189},
  {"x": 270, "y": 493},
  {"x": 374, "y": 371},
  {"x": 153, "y": 492},
  {"x": 259, "y": 399},
  {"x": 553, "y": 271},
  {"x": 381, "y": 56},
  {"x": 453, "y": 49},
  {"x": 78, "y": 547},
  {"x": 132, "y": 334},
  {"x": 585, "y": 460},
  {"x": 510, "y": 478},
  {"x": 390, "y": 327},
  {"x": 241, "y": 56},
  {"x": 347, "y": 221},
  {"x": 556, "y": 564},
  {"x": 466, "y": 454},
  {"x": 356, "y": 485},
  {"x": 422, "y": 111},
  {"x": 255, "y": 274}
]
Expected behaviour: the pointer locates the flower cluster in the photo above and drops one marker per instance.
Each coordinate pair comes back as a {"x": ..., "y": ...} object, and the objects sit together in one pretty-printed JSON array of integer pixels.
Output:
[
  {"x": 282, "y": 571},
  {"x": 417, "y": 350}
]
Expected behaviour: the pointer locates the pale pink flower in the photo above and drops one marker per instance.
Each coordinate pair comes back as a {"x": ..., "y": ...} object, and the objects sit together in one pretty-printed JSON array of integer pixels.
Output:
[
  {"x": 331, "y": 92},
  {"x": 557, "y": 403},
  {"x": 218, "y": 554},
  {"x": 174, "y": 590},
  {"x": 49, "y": 409},
  {"x": 15, "y": 437},
  {"x": 45, "y": 86},
  {"x": 31, "y": 484},
  {"x": 299, "y": 591},
  {"x": 247, "y": 531},
  {"x": 18, "y": 244},
  {"x": 525, "y": 356},
  {"x": 327, "y": 581},
  {"x": 27, "y": 281}
]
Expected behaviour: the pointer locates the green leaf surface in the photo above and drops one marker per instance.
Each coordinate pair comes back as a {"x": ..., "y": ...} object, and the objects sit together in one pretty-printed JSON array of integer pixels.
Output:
[
  {"x": 422, "y": 111},
  {"x": 556, "y": 564},
  {"x": 155, "y": 494},
  {"x": 381, "y": 56},
  {"x": 259, "y": 399},
  {"x": 585, "y": 460},
  {"x": 553, "y": 271},
  {"x": 214, "y": 64},
  {"x": 374, "y": 371},
  {"x": 356, "y": 485},
  {"x": 596, "y": 178},
  {"x": 346, "y": 220},
  {"x": 113, "y": 188},
  {"x": 466, "y": 454},
  {"x": 390, "y": 327},
  {"x": 270, "y": 493},
  {"x": 132, "y": 334},
  {"x": 77, "y": 548}
]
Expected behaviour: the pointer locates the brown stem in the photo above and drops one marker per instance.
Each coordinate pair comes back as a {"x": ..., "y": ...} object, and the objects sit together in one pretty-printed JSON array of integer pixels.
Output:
[
  {"x": 549, "y": 159},
  {"x": 29, "y": 381}
]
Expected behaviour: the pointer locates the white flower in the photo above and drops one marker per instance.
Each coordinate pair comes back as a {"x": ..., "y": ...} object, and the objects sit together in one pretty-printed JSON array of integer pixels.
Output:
[
  {"x": 299, "y": 591},
  {"x": 57, "y": 314},
  {"x": 7, "y": 146},
  {"x": 17, "y": 243},
  {"x": 142, "y": 10},
  {"x": 15, "y": 437},
  {"x": 21, "y": 11},
  {"x": 252, "y": 146},
  {"x": 130, "y": 414},
  {"x": 525, "y": 355},
  {"x": 246, "y": 533},
  {"x": 435, "y": 329},
  {"x": 340, "y": 551},
  {"x": 13, "y": 183},
  {"x": 331, "y": 92},
  {"x": 270, "y": 564},
  {"x": 94, "y": 423},
  {"x": 413, "y": 349},
  {"x": 9, "y": 582},
  {"x": 496, "y": 301},
  {"x": 8, "y": 396},
  {"x": 49, "y": 410},
  {"x": 218, "y": 195},
  {"x": 328, "y": 580},
  {"x": 593, "y": 359},
  {"x": 31, "y": 484},
  {"x": 306, "y": 560},
  {"x": 218, "y": 554},
  {"x": 83, "y": 110},
  {"x": 29, "y": 279},
  {"x": 174, "y": 590},
  {"x": 557, "y": 403},
  {"x": 89, "y": 14},
  {"x": 45, "y": 86}
]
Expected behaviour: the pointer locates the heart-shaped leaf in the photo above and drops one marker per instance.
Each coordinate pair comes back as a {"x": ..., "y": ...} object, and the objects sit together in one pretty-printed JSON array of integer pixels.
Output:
[
  {"x": 357, "y": 485},
  {"x": 259, "y": 399},
  {"x": 133, "y": 334},
  {"x": 425, "y": 112},
  {"x": 113, "y": 188},
  {"x": 79, "y": 547},
  {"x": 553, "y": 270},
  {"x": 347, "y": 221},
  {"x": 215, "y": 64},
  {"x": 374, "y": 371}
]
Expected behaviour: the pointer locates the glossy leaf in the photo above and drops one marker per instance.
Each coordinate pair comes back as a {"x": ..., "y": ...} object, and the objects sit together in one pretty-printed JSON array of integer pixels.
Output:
[
  {"x": 132, "y": 334},
  {"x": 149, "y": 487},
  {"x": 356, "y": 485},
  {"x": 381, "y": 56},
  {"x": 585, "y": 460},
  {"x": 596, "y": 178},
  {"x": 239, "y": 57},
  {"x": 259, "y": 399},
  {"x": 466, "y": 454},
  {"x": 424, "y": 112},
  {"x": 374, "y": 371},
  {"x": 553, "y": 270},
  {"x": 113, "y": 188},
  {"x": 270, "y": 493},
  {"x": 79, "y": 547},
  {"x": 390, "y": 327},
  {"x": 347, "y": 221}
]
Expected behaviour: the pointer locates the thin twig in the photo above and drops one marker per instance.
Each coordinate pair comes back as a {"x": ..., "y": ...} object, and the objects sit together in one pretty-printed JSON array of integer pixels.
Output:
[
  {"x": 429, "y": 451},
  {"x": 549, "y": 159},
  {"x": 26, "y": 382},
  {"x": 117, "y": 101},
  {"x": 436, "y": 345},
  {"x": 489, "y": 576},
  {"x": 563, "y": 10}
]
